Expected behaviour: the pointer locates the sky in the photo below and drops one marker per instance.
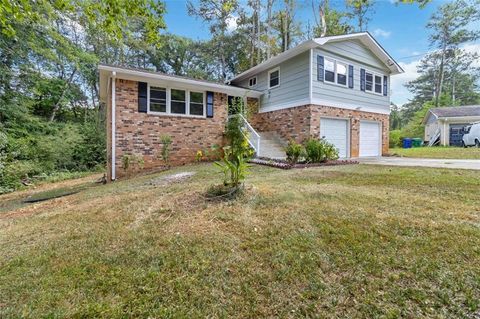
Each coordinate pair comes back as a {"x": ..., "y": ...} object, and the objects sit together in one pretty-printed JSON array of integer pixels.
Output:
[{"x": 400, "y": 29}]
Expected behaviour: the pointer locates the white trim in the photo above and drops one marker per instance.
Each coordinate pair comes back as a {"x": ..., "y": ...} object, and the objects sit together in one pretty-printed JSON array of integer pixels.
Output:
[
  {"x": 250, "y": 79},
  {"x": 278, "y": 107},
  {"x": 113, "y": 80},
  {"x": 352, "y": 107},
  {"x": 320, "y": 102},
  {"x": 169, "y": 101},
  {"x": 145, "y": 76},
  {"x": 364, "y": 37},
  {"x": 310, "y": 88},
  {"x": 268, "y": 78}
]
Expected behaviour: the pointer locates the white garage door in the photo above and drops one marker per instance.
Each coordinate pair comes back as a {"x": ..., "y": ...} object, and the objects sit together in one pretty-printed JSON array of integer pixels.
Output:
[
  {"x": 336, "y": 132},
  {"x": 370, "y": 142}
]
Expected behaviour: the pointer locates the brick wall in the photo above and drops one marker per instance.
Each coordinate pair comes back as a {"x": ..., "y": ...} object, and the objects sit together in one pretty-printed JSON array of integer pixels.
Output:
[
  {"x": 140, "y": 133},
  {"x": 301, "y": 122}
]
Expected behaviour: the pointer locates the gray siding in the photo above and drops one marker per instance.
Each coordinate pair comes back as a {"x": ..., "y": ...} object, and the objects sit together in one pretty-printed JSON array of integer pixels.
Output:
[
  {"x": 294, "y": 84},
  {"x": 352, "y": 53}
]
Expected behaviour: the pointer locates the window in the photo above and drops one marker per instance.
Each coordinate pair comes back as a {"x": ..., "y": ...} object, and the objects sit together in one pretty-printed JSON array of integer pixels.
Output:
[
  {"x": 178, "y": 102},
  {"x": 335, "y": 72},
  {"x": 373, "y": 83},
  {"x": 341, "y": 74},
  {"x": 368, "y": 81},
  {"x": 273, "y": 78},
  {"x": 330, "y": 70},
  {"x": 175, "y": 101},
  {"x": 378, "y": 84},
  {"x": 158, "y": 99},
  {"x": 196, "y": 103},
  {"x": 252, "y": 81}
]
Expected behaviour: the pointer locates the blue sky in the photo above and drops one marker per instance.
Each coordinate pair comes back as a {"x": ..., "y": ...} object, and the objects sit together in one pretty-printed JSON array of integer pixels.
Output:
[{"x": 400, "y": 29}]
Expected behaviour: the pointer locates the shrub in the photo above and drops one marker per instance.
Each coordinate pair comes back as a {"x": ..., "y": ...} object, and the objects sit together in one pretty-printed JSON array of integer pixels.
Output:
[
  {"x": 395, "y": 138},
  {"x": 319, "y": 150},
  {"x": 294, "y": 151},
  {"x": 236, "y": 154},
  {"x": 166, "y": 141}
]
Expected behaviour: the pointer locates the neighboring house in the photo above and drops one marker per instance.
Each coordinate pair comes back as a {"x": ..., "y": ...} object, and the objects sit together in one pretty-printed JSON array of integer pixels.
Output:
[
  {"x": 337, "y": 88},
  {"x": 444, "y": 125}
]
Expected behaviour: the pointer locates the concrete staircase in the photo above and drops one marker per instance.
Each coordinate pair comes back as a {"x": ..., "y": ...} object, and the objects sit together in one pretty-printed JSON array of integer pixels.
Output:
[{"x": 272, "y": 145}]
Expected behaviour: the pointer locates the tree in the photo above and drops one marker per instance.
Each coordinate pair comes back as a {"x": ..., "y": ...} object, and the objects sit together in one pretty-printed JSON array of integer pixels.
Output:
[
  {"x": 449, "y": 26},
  {"x": 360, "y": 11},
  {"x": 329, "y": 21},
  {"x": 218, "y": 13}
]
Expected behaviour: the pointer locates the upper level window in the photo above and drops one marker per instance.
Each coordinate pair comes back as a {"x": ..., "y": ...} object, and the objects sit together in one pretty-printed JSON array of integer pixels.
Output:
[
  {"x": 273, "y": 78},
  {"x": 252, "y": 81},
  {"x": 158, "y": 99},
  {"x": 335, "y": 72},
  {"x": 341, "y": 74},
  {"x": 373, "y": 82},
  {"x": 330, "y": 70}
]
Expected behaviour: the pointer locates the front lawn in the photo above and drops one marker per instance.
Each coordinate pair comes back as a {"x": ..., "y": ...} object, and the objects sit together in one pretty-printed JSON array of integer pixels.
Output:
[
  {"x": 346, "y": 241},
  {"x": 440, "y": 152}
]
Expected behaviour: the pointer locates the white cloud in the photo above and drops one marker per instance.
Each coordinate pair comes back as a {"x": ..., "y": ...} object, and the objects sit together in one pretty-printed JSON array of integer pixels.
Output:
[
  {"x": 232, "y": 23},
  {"x": 381, "y": 33},
  {"x": 400, "y": 94},
  {"x": 473, "y": 48}
]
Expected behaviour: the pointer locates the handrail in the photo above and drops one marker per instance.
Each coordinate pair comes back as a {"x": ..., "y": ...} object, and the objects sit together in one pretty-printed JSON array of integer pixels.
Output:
[{"x": 253, "y": 138}]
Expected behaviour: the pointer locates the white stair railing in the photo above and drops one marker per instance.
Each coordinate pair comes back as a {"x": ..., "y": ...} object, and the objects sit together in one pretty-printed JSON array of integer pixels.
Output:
[{"x": 252, "y": 136}]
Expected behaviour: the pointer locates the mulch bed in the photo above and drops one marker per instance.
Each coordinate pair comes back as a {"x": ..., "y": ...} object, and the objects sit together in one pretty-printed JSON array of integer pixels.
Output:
[{"x": 282, "y": 164}]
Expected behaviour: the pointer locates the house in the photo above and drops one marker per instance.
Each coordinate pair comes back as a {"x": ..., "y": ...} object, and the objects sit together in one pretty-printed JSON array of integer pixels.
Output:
[
  {"x": 444, "y": 125},
  {"x": 337, "y": 88}
]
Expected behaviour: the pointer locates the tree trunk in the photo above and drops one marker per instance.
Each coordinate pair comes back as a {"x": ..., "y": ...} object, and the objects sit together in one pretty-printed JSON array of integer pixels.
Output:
[
  {"x": 440, "y": 78},
  {"x": 268, "y": 28},
  {"x": 57, "y": 104}
]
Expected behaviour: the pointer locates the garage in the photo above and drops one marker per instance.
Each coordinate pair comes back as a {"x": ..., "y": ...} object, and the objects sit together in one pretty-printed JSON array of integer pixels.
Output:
[
  {"x": 335, "y": 131},
  {"x": 370, "y": 139},
  {"x": 456, "y": 134}
]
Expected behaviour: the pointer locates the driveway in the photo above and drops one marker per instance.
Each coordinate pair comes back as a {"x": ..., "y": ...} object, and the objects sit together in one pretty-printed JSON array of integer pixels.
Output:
[{"x": 422, "y": 162}]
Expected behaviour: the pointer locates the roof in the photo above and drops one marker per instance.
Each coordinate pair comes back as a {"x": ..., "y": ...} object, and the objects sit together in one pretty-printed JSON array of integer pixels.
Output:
[
  {"x": 364, "y": 37},
  {"x": 456, "y": 111},
  {"x": 136, "y": 74}
]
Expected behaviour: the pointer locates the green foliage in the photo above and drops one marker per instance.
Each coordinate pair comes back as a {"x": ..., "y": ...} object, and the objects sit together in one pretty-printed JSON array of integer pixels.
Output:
[
  {"x": 294, "y": 151},
  {"x": 237, "y": 153},
  {"x": 319, "y": 150},
  {"x": 132, "y": 162},
  {"x": 395, "y": 138},
  {"x": 166, "y": 141}
]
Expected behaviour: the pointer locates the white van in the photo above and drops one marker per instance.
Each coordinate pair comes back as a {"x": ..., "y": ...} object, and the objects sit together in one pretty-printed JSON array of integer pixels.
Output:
[{"x": 471, "y": 136}]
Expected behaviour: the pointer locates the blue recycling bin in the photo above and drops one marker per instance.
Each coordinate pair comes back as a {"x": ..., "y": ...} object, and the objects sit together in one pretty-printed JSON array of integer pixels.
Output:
[{"x": 407, "y": 142}]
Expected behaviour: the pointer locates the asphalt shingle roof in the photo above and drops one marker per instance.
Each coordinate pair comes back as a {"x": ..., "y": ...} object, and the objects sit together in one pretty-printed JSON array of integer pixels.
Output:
[{"x": 457, "y": 111}]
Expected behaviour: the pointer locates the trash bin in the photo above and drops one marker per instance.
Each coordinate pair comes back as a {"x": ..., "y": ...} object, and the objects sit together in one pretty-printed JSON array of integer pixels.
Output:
[
  {"x": 407, "y": 142},
  {"x": 417, "y": 142}
]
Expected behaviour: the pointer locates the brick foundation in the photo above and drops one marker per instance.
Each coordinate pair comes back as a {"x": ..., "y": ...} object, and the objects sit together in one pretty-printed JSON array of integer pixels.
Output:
[
  {"x": 301, "y": 122},
  {"x": 140, "y": 133}
]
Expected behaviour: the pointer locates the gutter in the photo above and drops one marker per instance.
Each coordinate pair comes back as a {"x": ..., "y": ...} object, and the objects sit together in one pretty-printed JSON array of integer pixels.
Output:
[{"x": 112, "y": 79}]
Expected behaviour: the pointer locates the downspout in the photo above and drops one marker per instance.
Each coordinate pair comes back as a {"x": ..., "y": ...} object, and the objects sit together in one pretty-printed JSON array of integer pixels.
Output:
[{"x": 113, "y": 125}]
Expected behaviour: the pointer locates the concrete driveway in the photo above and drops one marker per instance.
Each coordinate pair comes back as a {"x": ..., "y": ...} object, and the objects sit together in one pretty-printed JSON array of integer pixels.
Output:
[{"x": 422, "y": 162}]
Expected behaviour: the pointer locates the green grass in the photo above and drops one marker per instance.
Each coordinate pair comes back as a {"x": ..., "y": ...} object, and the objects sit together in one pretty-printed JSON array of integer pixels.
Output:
[
  {"x": 438, "y": 152},
  {"x": 348, "y": 241}
]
